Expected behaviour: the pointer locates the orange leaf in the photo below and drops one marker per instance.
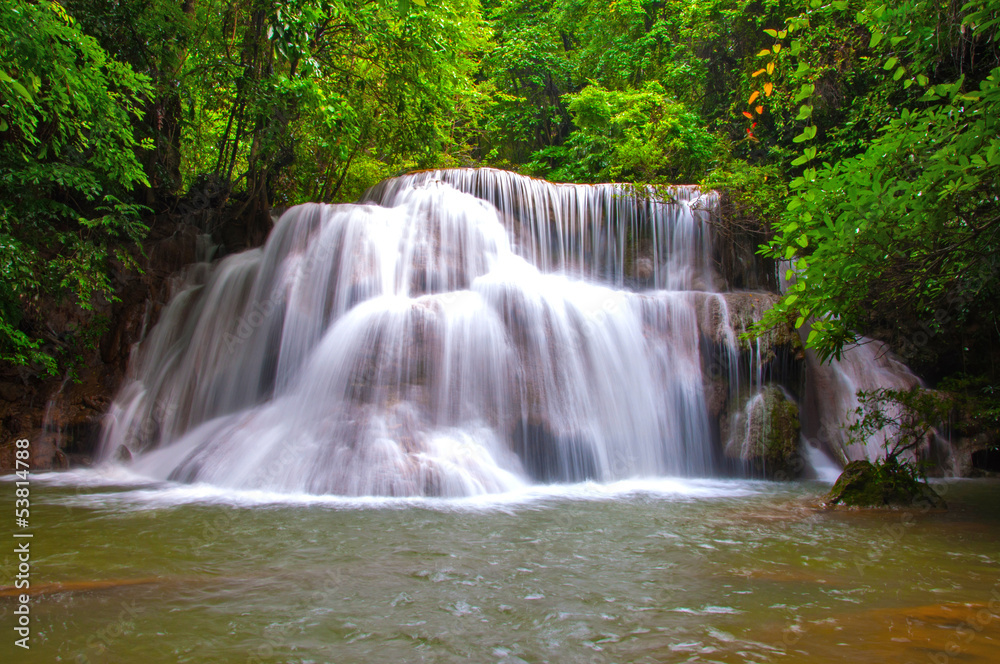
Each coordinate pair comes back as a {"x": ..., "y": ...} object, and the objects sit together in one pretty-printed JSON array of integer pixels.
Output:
[
  {"x": 759, "y": 109},
  {"x": 757, "y": 73},
  {"x": 748, "y": 115},
  {"x": 768, "y": 88},
  {"x": 770, "y": 67},
  {"x": 753, "y": 96}
]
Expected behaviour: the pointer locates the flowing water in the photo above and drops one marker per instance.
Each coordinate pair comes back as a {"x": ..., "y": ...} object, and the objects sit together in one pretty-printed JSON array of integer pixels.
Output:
[
  {"x": 126, "y": 570},
  {"x": 470, "y": 420},
  {"x": 462, "y": 332}
]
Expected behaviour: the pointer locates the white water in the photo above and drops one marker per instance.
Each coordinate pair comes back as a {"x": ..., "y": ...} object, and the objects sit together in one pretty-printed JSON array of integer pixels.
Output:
[
  {"x": 422, "y": 346},
  {"x": 866, "y": 366},
  {"x": 461, "y": 333}
]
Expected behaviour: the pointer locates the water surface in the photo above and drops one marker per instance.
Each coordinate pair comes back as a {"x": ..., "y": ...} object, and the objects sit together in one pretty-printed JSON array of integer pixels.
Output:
[{"x": 640, "y": 571}]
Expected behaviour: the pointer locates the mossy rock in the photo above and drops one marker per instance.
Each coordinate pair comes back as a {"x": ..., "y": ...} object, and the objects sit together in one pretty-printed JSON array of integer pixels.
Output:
[
  {"x": 766, "y": 436},
  {"x": 863, "y": 484}
]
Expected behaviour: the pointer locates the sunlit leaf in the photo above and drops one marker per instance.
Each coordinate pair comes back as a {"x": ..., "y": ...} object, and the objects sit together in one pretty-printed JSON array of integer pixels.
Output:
[
  {"x": 768, "y": 88},
  {"x": 755, "y": 94}
]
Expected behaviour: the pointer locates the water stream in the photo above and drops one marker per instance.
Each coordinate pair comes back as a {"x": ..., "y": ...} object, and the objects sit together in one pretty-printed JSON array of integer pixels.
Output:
[
  {"x": 126, "y": 570},
  {"x": 465, "y": 332}
]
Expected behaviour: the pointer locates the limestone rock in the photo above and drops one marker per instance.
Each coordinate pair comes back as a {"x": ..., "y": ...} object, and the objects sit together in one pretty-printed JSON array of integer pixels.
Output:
[
  {"x": 862, "y": 484},
  {"x": 764, "y": 435}
]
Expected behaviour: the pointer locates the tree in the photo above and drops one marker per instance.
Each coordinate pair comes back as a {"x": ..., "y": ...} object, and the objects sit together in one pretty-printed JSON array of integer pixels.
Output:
[
  {"x": 629, "y": 136},
  {"x": 68, "y": 166},
  {"x": 903, "y": 235}
]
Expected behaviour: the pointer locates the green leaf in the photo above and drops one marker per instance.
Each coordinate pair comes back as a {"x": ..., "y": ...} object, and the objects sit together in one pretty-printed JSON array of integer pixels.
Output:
[{"x": 20, "y": 89}]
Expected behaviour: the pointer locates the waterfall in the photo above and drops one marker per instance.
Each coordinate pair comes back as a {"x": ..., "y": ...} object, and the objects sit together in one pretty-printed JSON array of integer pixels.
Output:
[
  {"x": 456, "y": 332},
  {"x": 832, "y": 399}
]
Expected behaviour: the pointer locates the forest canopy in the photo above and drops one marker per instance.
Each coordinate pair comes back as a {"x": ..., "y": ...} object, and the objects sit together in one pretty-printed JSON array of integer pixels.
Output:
[{"x": 856, "y": 141}]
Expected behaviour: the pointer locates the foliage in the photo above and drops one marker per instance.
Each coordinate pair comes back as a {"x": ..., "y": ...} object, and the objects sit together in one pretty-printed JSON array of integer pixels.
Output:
[
  {"x": 881, "y": 121},
  {"x": 882, "y": 484},
  {"x": 526, "y": 75},
  {"x": 635, "y": 136},
  {"x": 911, "y": 223},
  {"x": 904, "y": 419},
  {"x": 67, "y": 167},
  {"x": 977, "y": 405}
]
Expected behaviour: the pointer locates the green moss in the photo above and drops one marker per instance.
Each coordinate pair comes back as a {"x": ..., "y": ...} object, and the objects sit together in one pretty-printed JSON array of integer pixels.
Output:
[
  {"x": 766, "y": 436},
  {"x": 781, "y": 435},
  {"x": 864, "y": 484}
]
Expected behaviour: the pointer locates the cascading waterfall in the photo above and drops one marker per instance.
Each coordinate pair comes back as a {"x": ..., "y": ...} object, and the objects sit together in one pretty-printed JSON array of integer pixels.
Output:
[
  {"x": 458, "y": 332},
  {"x": 866, "y": 366}
]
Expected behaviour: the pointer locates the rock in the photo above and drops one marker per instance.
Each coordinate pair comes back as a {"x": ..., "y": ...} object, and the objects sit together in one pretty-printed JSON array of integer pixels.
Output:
[
  {"x": 643, "y": 269},
  {"x": 764, "y": 435},
  {"x": 553, "y": 457},
  {"x": 10, "y": 392},
  {"x": 863, "y": 484}
]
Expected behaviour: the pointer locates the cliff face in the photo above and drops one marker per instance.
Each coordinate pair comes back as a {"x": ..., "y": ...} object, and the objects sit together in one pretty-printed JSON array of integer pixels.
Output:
[{"x": 61, "y": 416}]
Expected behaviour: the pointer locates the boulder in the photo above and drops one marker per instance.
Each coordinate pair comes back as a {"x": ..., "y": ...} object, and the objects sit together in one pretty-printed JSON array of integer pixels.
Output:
[
  {"x": 764, "y": 435},
  {"x": 864, "y": 484}
]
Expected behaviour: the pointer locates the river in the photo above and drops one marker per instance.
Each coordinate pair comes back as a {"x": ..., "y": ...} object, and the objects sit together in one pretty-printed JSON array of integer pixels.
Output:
[{"x": 129, "y": 570}]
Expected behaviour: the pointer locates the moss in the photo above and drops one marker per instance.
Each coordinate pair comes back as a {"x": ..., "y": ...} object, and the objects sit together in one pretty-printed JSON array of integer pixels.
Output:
[
  {"x": 765, "y": 436},
  {"x": 781, "y": 435},
  {"x": 864, "y": 484}
]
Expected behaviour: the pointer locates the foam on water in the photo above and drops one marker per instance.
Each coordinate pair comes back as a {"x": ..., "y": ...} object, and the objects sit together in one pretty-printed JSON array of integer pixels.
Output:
[{"x": 131, "y": 491}]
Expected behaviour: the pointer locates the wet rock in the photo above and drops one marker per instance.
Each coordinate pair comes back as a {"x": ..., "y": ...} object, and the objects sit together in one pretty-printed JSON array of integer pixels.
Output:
[
  {"x": 553, "y": 457},
  {"x": 863, "y": 484},
  {"x": 764, "y": 435}
]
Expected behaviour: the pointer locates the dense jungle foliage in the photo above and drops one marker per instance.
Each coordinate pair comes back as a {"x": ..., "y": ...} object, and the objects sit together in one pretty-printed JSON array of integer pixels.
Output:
[{"x": 857, "y": 140}]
